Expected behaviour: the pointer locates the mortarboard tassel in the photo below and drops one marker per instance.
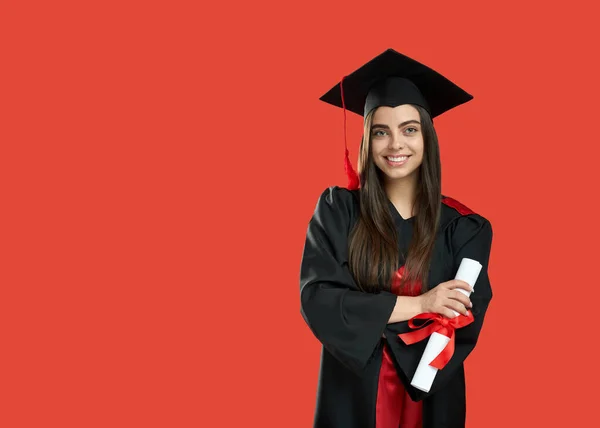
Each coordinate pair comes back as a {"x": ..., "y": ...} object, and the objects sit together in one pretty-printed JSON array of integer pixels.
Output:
[{"x": 353, "y": 180}]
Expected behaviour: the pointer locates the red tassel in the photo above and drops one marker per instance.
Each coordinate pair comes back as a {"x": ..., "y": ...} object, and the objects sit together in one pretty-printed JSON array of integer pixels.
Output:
[{"x": 353, "y": 180}]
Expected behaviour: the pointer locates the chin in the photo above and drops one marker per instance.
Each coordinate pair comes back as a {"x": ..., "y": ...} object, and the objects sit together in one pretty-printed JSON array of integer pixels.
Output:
[{"x": 398, "y": 175}]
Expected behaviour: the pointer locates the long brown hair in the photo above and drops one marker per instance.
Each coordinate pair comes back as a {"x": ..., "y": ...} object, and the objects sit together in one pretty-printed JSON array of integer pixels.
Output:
[{"x": 373, "y": 242}]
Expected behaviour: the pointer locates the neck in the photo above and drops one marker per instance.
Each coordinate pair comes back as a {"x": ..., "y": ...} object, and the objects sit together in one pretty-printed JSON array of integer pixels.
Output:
[{"x": 402, "y": 193}]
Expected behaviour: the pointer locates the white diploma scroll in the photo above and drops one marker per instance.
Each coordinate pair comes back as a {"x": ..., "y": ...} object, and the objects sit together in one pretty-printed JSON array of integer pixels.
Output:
[{"x": 468, "y": 271}]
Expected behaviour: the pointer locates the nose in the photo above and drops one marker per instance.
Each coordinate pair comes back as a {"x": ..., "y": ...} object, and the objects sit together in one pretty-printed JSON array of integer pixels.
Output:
[{"x": 397, "y": 141}]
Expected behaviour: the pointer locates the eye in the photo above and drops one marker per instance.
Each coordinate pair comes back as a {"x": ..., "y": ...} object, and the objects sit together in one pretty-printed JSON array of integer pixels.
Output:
[
  {"x": 415, "y": 130},
  {"x": 376, "y": 133}
]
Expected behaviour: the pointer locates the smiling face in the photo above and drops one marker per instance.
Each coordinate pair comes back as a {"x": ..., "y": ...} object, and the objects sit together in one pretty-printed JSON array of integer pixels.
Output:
[{"x": 395, "y": 134}]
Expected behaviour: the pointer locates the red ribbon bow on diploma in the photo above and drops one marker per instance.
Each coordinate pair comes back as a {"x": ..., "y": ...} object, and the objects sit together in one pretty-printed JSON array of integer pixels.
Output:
[{"x": 440, "y": 324}]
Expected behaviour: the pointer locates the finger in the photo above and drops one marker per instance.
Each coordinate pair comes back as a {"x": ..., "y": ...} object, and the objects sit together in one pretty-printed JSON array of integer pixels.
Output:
[
  {"x": 447, "y": 312},
  {"x": 457, "y": 295},
  {"x": 457, "y": 283},
  {"x": 456, "y": 306}
]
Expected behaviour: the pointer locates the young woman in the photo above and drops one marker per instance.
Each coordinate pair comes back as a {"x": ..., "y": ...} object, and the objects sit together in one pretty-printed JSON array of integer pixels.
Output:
[{"x": 386, "y": 249}]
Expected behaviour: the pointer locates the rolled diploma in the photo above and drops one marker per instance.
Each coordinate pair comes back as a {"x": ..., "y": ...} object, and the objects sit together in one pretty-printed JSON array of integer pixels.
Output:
[{"x": 468, "y": 271}]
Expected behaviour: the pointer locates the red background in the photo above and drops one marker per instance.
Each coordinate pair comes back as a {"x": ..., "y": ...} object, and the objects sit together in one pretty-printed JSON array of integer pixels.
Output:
[{"x": 160, "y": 162}]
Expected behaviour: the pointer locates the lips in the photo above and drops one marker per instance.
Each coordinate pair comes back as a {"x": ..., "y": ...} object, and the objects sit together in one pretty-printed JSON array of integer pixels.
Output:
[{"x": 396, "y": 162}]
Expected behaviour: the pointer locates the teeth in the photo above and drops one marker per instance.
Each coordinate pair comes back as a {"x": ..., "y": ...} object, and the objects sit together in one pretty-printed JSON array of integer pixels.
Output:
[{"x": 400, "y": 159}]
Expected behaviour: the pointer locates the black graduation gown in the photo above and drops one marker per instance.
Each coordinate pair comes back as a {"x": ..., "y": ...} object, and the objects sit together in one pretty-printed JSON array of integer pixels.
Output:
[{"x": 350, "y": 323}]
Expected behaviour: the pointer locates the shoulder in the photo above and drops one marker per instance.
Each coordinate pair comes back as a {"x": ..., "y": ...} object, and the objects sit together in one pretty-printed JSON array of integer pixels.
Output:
[
  {"x": 455, "y": 207},
  {"x": 337, "y": 206},
  {"x": 338, "y": 199},
  {"x": 453, "y": 210},
  {"x": 462, "y": 222}
]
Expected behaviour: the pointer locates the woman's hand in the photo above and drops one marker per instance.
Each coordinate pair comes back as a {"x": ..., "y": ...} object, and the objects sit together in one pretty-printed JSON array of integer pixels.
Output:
[{"x": 445, "y": 297}]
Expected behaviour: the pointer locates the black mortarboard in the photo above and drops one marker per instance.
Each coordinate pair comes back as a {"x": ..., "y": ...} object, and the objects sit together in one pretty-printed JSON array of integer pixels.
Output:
[{"x": 392, "y": 79}]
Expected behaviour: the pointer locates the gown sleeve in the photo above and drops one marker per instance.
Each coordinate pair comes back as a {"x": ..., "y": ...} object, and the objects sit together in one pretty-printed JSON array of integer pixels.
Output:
[
  {"x": 347, "y": 321},
  {"x": 471, "y": 238}
]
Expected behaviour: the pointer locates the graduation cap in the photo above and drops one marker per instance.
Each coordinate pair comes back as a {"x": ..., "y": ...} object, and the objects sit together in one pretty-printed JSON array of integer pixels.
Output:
[{"x": 392, "y": 79}]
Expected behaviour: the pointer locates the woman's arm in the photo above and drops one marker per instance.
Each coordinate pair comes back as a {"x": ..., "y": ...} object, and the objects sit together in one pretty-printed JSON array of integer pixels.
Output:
[
  {"x": 406, "y": 307},
  {"x": 347, "y": 321},
  {"x": 472, "y": 238}
]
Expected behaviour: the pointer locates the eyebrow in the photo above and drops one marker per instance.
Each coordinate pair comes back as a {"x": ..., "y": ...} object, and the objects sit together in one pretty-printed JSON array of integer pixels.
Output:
[{"x": 379, "y": 125}]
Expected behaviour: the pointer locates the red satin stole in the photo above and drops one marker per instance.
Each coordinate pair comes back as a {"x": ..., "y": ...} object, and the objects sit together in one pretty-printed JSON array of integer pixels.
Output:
[{"x": 394, "y": 407}]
